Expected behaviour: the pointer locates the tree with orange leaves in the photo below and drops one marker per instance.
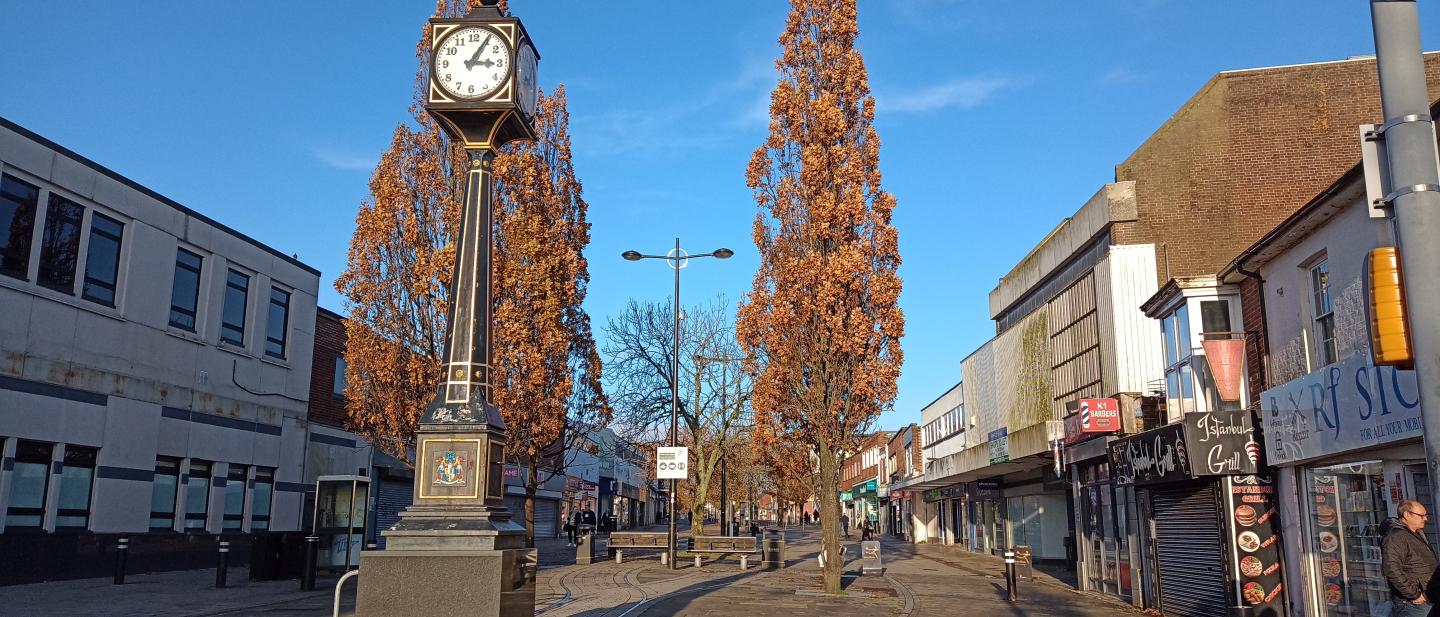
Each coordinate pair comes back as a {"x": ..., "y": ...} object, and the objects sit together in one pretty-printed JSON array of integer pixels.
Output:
[
  {"x": 401, "y": 261},
  {"x": 547, "y": 372},
  {"x": 822, "y": 324}
]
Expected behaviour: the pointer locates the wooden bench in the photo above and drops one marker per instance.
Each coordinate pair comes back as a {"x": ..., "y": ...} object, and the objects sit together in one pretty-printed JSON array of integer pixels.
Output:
[
  {"x": 621, "y": 541},
  {"x": 744, "y": 546}
]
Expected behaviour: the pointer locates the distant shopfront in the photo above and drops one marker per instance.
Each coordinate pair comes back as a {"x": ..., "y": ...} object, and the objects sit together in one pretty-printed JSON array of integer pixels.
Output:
[
  {"x": 1106, "y": 544},
  {"x": 1207, "y": 517},
  {"x": 1346, "y": 444},
  {"x": 949, "y": 505}
]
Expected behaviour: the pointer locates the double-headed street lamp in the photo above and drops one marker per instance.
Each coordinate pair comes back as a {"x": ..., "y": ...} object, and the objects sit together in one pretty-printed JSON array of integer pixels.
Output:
[{"x": 676, "y": 259}]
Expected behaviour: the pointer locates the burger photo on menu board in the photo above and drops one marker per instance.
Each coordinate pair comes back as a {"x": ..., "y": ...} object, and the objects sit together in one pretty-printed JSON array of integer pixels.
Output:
[
  {"x": 1325, "y": 515},
  {"x": 1245, "y": 514}
]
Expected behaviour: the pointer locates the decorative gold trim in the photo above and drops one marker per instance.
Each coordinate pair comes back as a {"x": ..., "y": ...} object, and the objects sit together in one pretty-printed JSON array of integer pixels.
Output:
[{"x": 481, "y": 469}]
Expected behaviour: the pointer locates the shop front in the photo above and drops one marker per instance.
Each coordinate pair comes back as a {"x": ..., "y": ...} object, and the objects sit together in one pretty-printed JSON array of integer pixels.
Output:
[
  {"x": 865, "y": 497},
  {"x": 986, "y": 516},
  {"x": 1105, "y": 545},
  {"x": 948, "y": 505},
  {"x": 1346, "y": 444},
  {"x": 1207, "y": 515}
]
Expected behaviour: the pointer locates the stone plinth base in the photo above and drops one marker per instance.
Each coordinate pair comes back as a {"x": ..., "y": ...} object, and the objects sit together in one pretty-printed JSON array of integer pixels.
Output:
[{"x": 441, "y": 583}]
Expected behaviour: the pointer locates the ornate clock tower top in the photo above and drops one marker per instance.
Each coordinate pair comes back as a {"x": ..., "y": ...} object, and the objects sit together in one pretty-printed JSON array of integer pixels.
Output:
[{"x": 482, "y": 77}]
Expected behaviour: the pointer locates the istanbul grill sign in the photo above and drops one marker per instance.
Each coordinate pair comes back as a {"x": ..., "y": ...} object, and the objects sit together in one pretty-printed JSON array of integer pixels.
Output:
[{"x": 1219, "y": 443}]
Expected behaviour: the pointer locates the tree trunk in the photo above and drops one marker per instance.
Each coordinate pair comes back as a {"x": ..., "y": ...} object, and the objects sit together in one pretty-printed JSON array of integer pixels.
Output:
[
  {"x": 829, "y": 483},
  {"x": 532, "y": 484},
  {"x": 702, "y": 488}
]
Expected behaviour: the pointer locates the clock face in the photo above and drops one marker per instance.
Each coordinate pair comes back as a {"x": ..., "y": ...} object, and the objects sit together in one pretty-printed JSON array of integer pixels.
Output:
[
  {"x": 525, "y": 68},
  {"x": 471, "y": 63}
]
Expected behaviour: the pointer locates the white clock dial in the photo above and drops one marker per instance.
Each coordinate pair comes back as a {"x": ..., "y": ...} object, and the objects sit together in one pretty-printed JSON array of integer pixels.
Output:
[{"x": 471, "y": 63}]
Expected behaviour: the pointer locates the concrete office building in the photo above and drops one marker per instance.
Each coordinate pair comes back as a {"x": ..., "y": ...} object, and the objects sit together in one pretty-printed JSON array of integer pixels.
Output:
[{"x": 155, "y": 365}]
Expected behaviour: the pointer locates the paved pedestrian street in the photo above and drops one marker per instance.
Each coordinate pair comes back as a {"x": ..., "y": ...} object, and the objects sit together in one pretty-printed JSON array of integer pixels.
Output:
[{"x": 923, "y": 580}]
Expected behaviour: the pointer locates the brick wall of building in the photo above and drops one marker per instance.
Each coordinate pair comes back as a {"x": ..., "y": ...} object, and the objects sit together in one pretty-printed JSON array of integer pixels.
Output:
[
  {"x": 1250, "y": 148},
  {"x": 326, "y": 407},
  {"x": 853, "y": 470}
]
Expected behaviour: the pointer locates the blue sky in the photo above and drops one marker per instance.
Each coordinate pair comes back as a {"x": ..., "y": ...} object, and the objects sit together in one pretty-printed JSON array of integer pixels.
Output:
[{"x": 997, "y": 118}]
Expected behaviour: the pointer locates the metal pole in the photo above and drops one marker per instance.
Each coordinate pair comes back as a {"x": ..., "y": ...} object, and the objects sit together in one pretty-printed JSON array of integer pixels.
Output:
[
  {"x": 224, "y": 562},
  {"x": 725, "y": 515},
  {"x": 1011, "y": 592},
  {"x": 1415, "y": 182},
  {"x": 122, "y": 547},
  {"x": 675, "y": 396},
  {"x": 307, "y": 576}
]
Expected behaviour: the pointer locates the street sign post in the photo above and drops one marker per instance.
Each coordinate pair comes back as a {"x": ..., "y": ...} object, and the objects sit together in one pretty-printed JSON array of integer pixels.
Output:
[{"x": 672, "y": 462}]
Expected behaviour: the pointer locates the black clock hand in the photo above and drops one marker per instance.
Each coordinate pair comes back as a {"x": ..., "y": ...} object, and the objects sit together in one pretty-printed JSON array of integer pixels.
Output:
[{"x": 475, "y": 59}]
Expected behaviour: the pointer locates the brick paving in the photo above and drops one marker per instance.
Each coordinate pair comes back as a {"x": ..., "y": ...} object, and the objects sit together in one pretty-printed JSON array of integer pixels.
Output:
[{"x": 918, "y": 580}]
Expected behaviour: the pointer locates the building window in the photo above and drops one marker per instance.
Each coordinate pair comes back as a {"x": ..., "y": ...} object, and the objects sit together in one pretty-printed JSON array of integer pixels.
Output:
[
  {"x": 260, "y": 498},
  {"x": 29, "y": 480},
  {"x": 277, "y": 323},
  {"x": 60, "y": 246},
  {"x": 162, "y": 493},
  {"x": 235, "y": 498},
  {"x": 339, "y": 385},
  {"x": 77, "y": 478},
  {"x": 18, "y": 201},
  {"x": 1324, "y": 311},
  {"x": 237, "y": 295},
  {"x": 197, "y": 495},
  {"x": 1179, "y": 378},
  {"x": 185, "y": 289},
  {"x": 102, "y": 259}
]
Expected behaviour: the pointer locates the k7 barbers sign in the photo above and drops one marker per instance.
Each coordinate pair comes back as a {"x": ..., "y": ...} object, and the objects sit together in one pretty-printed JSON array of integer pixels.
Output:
[{"x": 672, "y": 463}]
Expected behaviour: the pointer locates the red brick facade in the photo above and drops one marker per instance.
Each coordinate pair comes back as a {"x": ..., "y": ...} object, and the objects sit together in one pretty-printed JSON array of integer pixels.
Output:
[
  {"x": 906, "y": 462},
  {"x": 326, "y": 407},
  {"x": 1248, "y": 150},
  {"x": 853, "y": 470}
]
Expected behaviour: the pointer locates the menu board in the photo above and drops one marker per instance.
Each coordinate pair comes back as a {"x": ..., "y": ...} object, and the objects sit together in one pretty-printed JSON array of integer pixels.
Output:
[{"x": 1255, "y": 550}]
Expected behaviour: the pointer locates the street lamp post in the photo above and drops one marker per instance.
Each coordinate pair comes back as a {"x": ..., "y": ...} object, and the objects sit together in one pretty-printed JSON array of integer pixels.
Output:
[{"x": 676, "y": 259}]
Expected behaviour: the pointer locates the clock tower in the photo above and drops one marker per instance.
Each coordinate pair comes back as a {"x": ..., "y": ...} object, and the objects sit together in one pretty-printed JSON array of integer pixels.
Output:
[{"x": 456, "y": 549}]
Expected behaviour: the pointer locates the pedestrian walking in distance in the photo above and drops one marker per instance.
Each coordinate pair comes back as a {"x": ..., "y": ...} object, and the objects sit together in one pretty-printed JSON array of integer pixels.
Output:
[
  {"x": 1408, "y": 562},
  {"x": 845, "y": 525}
]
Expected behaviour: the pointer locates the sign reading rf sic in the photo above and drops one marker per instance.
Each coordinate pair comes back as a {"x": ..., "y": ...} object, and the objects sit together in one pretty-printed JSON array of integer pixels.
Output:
[{"x": 672, "y": 463}]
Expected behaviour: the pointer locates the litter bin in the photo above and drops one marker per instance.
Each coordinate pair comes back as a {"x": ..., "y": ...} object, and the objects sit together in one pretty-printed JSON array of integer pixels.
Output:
[{"x": 773, "y": 550}]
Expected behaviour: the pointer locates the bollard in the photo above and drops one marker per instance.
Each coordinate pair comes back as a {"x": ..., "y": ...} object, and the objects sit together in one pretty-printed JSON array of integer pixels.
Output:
[
  {"x": 1011, "y": 592},
  {"x": 224, "y": 562},
  {"x": 122, "y": 547},
  {"x": 307, "y": 575}
]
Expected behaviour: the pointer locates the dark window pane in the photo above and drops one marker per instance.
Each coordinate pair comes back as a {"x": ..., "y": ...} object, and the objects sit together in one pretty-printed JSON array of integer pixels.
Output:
[
  {"x": 232, "y": 327},
  {"x": 234, "y": 497},
  {"x": 1215, "y": 315},
  {"x": 277, "y": 323},
  {"x": 60, "y": 246},
  {"x": 197, "y": 495},
  {"x": 185, "y": 290},
  {"x": 18, "y": 201},
  {"x": 260, "y": 498},
  {"x": 29, "y": 479},
  {"x": 102, "y": 260}
]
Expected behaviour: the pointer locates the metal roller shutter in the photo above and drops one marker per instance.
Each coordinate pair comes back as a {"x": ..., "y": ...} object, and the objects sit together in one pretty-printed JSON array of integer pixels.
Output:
[
  {"x": 390, "y": 500},
  {"x": 1187, "y": 539},
  {"x": 545, "y": 517}
]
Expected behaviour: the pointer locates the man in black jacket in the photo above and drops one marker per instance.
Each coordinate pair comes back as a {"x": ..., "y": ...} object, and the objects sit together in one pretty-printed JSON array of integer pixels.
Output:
[{"x": 1408, "y": 562}]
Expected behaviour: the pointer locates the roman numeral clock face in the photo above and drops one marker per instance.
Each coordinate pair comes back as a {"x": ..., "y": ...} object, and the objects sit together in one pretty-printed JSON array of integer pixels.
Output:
[{"x": 472, "y": 63}]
